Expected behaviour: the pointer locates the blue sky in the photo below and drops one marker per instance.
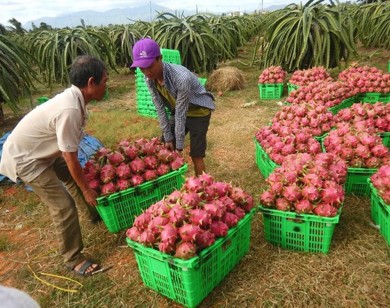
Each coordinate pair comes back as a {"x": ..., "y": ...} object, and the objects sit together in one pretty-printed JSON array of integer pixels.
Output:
[{"x": 29, "y": 10}]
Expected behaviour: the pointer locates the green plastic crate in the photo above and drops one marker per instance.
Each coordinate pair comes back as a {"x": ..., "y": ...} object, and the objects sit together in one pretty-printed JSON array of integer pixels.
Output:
[
  {"x": 385, "y": 98},
  {"x": 356, "y": 182},
  {"x": 343, "y": 105},
  {"x": 380, "y": 211},
  {"x": 369, "y": 97},
  {"x": 270, "y": 91},
  {"x": 189, "y": 281},
  {"x": 385, "y": 138},
  {"x": 119, "y": 209},
  {"x": 202, "y": 81},
  {"x": 299, "y": 232},
  {"x": 291, "y": 87},
  {"x": 42, "y": 99},
  {"x": 374, "y": 204},
  {"x": 263, "y": 161},
  {"x": 171, "y": 56}
]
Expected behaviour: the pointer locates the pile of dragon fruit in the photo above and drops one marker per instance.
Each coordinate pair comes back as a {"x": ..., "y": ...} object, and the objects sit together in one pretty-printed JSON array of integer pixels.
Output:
[
  {"x": 366, "y": 79},
  {"x": 272, "y": 74},
  {"x": 304, "y": 77},
  {"x": 316, "y": 117},
  {"x": 129, "y": 165},
  {"x": 381, "y": 181},
  {"x": 359, "y": 146},
  {"x": 370, "y": 115},
  {"x": 189, "y": 220},
  {"x": 326, "y": 93},
  {"x": 280, "y": 141},
  {"x": 308, "y": 184}
]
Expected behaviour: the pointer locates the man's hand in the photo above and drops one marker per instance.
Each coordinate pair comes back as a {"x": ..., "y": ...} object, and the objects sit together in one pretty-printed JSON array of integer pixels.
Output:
[
  {"x": 170, "y": 145},
  {"x": 90, "y": 196},
  {"x": 76, "y": 171}
]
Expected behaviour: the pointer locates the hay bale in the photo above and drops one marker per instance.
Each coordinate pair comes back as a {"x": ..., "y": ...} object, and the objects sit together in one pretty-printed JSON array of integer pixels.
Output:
[{"x": 226, "y": 79}]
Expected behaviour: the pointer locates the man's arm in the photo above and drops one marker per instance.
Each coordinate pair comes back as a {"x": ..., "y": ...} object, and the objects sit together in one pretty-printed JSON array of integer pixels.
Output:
[{"x": 76, "y": 172}]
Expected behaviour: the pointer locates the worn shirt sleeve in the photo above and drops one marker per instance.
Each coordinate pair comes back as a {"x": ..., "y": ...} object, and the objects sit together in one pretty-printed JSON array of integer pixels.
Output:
[{"x": 68, "y": 125}]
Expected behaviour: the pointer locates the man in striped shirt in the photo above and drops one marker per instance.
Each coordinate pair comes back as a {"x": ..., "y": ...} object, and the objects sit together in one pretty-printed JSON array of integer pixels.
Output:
[{"x": 174, "y": 87}]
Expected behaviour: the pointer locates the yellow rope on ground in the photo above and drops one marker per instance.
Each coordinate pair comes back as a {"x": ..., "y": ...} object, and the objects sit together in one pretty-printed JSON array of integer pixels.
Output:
[{"x": 56, "y": 276}]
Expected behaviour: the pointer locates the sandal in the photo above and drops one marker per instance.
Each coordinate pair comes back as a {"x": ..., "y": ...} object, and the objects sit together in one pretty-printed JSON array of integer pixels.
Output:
[{"x": 82, "y": 271}]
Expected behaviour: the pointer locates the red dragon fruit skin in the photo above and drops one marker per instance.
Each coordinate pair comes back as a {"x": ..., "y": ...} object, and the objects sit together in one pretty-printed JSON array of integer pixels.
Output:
[{"x": 185, "y": 250}]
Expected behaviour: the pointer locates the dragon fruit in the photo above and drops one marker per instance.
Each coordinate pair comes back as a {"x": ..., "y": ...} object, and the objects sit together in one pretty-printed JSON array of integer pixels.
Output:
[
  {"x": 108, "y": 188},
  {"x": 188, "y": 232},
  {"x": 200, "y": 217},
  {"x": 205, "y": 239},
  {"x": 133, "y": 233},
  {"x": 219, "y": 228},
  {"x": 177, "y": 215},
  {"x": 123, "y": 184},
  {"x": 137, "y": 165},
  {"x": 107, "y": 173},
  {"x": 115, "y": 158},
  {"x": 185, "y": 250},
  {"x": 150, "y": 175},
  {"x": 163, "y": 169},
  {"x": 123, "y": 171},
  {"x": 169, "y": 234}
]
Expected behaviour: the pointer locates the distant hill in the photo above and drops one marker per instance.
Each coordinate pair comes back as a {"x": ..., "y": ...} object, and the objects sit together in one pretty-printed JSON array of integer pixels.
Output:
[
  {"x": 115, "y": 16},
  {"x": 275, "y": 7}
]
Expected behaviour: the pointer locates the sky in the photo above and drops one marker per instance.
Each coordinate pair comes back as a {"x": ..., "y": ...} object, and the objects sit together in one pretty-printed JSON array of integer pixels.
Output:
[{"x": 29, "y": 10}]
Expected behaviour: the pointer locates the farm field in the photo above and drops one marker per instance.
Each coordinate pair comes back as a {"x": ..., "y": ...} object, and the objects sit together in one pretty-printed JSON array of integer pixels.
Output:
[{"x": 355, "y": 272}]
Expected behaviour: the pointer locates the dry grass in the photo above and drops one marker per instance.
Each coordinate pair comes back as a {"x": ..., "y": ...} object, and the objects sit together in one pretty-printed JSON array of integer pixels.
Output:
[
  {"x": 355, "y": 272},
  {"x": 224, "y": 79}
]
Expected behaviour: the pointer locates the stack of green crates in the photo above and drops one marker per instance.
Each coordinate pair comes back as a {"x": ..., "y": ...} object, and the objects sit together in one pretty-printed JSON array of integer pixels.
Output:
[{"x": 145, "y": 105}]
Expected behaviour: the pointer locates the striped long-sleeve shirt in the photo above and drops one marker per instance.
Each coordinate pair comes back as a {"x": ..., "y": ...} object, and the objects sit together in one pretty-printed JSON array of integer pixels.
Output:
[{"x": 185, "y": 87}]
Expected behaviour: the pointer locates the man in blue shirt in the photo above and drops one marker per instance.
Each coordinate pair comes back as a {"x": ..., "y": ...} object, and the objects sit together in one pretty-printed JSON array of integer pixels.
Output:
[{"x": 174, "y": 87}]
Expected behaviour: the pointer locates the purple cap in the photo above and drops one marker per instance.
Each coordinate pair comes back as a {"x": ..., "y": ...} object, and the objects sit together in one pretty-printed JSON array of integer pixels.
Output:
[{"x": 144, "y": 53}]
